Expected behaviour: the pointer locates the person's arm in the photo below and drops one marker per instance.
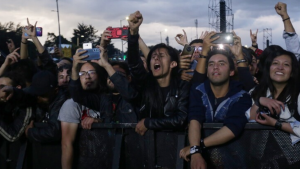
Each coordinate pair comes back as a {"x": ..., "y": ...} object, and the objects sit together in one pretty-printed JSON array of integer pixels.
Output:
[
  {"x": 24, "y": 49},
  {"x": 68, "y": 131},
  {"x": 12, "y": 132},
  {"x": 236, "y": 50},
  {"x": 9, "y": 60},
  {"x": 135, "y": 63},
  {"x": 207, "y": 44},
  {"x": 144, "y": 48},
  {"x": 178, "y": 119},
  {"x": 281, "y": 9}
]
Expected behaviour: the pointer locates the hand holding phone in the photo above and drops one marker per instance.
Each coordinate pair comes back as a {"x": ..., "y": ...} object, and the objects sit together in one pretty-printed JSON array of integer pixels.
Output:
[{"x": 93, "y": 54}]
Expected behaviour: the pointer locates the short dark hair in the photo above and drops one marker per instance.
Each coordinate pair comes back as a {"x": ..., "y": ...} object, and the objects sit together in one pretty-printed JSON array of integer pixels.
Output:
[
  {"x": 16, "y": 78},
  {"x": 227, "y": 54},
  {"x": 196, "y": 41},
  {"x": 68, "y": 59},
  {"x": 122, "y": 65},
  {"x": 65, "y": 66},
  {"x": 26, "y": 68}
]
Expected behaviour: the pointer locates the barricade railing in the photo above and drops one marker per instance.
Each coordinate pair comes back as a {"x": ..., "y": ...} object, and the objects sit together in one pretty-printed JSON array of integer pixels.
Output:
[{"x": 119, "y": 146}]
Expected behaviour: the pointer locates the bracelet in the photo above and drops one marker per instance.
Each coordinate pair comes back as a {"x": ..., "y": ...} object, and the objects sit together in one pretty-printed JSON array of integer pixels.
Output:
[
  {"x": 24, "y": 42},
  {"x": 202, "y": 145},
  {"x": 278, "y": 125},
  {"x": 285, "y": 19},
  {"x": 202, "y": 56},
  {"x": 241, "y": 61}
]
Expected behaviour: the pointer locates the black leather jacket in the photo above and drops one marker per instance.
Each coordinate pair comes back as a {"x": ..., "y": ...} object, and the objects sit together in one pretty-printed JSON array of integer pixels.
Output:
[
  {"x": 51, "y": 131},
  {"x": 176, "y": 105}
]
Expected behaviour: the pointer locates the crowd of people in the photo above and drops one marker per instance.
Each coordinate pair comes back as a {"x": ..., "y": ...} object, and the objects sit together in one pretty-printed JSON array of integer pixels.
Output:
[{"x": 158, "y": 90}]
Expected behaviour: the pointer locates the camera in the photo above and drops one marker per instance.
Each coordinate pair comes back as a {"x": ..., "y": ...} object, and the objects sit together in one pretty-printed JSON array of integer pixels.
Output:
[
  {"x": 265, "y": 110},
  {"x": 188, "y": 50}
]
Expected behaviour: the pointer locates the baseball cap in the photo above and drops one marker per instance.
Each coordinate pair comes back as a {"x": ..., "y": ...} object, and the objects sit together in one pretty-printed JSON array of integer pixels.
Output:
[{"x": 42, "y": 83}]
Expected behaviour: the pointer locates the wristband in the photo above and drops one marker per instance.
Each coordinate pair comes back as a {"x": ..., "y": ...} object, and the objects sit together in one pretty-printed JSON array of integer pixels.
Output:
[
  {"x": 278, "y": 125},
  {"x": 202, "y": 56},
  {"x": 202, "y": 145},
  {"x": 24, "y": 42},
  {"x": 195, "y": 149},
  {"x": 241, "y": 61},
  {"x": 285, "y": 19}
]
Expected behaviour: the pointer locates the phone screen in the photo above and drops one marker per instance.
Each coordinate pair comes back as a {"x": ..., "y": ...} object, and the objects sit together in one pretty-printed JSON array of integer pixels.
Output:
[
  {"x": 224, "y": 38},
  {"x": 87, "y": 46},
  {"x": 38, "y": 30}
]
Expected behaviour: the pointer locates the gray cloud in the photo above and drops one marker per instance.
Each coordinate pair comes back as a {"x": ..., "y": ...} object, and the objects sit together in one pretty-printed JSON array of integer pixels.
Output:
[{"x": 174, "y": 15}]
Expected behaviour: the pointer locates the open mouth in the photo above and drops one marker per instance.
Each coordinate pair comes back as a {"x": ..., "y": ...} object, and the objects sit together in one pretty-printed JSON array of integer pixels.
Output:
[
  {"x": 278, "y": 73},
  {"x": 156, "y": 66}
]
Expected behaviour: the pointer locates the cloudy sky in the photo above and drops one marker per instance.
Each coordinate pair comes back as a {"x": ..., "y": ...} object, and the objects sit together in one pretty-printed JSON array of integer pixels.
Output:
[{"x": 173, "y": 15}]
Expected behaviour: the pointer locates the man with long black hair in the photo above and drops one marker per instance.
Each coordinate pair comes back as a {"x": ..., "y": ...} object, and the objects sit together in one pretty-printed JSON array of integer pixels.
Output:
[{"x": 164, "y": 94}]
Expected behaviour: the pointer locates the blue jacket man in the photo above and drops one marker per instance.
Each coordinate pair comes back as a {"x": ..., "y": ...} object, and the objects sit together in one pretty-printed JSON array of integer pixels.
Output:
[{"x": 217, "y": 100}]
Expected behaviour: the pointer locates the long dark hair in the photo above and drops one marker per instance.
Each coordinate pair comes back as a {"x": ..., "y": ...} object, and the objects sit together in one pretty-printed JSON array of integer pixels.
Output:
[
  {"x": 153, "y": 97},
  {"x": 291, "y": 89},
  {"x": 270, "y": 50},
  {"x": 102, "y": 77}
]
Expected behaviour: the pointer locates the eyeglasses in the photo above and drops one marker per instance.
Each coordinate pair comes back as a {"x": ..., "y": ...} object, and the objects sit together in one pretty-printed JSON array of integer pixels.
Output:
[
  {"x": 90, "y": 73},
  {"x": 1, "y": 86},
  {"x": 198, "y": 48}
]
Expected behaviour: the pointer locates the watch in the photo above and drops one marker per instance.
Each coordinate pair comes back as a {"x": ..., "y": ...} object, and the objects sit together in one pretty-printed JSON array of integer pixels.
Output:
[
  {"x": 202, "y": 56},
  {"x": 195, "y": 149},
  {"x": 241, "y": 61},
  {"x": 278, "y": 125}
]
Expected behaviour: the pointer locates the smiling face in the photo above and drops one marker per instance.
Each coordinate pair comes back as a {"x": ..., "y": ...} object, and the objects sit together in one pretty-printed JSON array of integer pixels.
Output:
[
  {"x": 160, "y": 63},
  {"x": 218, "y": 70},
  {"x": 280, "y": 69},
  {"x": 89, "y": 78}
]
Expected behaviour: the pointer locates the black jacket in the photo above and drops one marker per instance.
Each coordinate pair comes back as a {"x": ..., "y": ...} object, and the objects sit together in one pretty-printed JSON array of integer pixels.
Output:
[
  {"x": 14, "y": 119},
  {"x": 176, "y": 104},
  {"x": 51, "y": 132},
  {"x": 125, "y": 111}
]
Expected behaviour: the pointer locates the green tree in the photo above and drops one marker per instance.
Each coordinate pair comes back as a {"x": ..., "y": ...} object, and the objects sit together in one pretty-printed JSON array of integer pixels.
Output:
[{"x": 85, "y": 34}]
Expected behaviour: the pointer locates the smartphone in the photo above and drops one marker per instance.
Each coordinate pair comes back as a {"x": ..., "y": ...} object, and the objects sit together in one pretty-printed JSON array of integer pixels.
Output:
[
  {"x": 93, "y": 54},
  {"x": 51, "y": 50},
  {"x": 193, "y": 66},
  {"x": 38, "y": 30},
  {"x": 87, "y": 46},
  {"x": 224, "y": 38},
  {"x": 118, "y": 33},
  {"x": 188, "y": 50}
]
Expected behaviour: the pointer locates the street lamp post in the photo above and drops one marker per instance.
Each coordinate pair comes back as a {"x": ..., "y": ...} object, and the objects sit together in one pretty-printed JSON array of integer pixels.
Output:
[
  {"x": 78, "y": 38},
  {"x": 122, "y": 26},
  {"x": 160, "y": 35},
  {"x": 59, "y": 38}
]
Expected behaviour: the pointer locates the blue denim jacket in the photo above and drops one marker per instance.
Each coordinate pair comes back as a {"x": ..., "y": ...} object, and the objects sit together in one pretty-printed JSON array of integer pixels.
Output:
[{"x": 223, "y": 107}]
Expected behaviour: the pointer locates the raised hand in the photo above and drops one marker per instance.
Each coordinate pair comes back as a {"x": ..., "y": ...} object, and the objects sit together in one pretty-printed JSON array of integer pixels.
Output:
[
  {"x": 236, "y": 48},
  {"x": 30, "y": 30},
  {"x": 253, "y": 36},
  {"x": 281, "y": 10},
  {"x": 207, "y": 42},
  {"x": 103, "y": 61},
  {"x": 104, "y": 38},
  {"x": 203, "y": 35},
  {"x": 181, "y": 38},
  {"x": 135, "y": 20},
  {"x": 12, "y": 57}
]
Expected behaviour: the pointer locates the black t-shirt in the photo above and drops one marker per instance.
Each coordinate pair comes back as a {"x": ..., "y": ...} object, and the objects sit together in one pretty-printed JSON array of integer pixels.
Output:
[{"x": 165, "y": 91}]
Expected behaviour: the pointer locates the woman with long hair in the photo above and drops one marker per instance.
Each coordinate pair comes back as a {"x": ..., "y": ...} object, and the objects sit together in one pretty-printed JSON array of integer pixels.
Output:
[{"x": 276, "y": 97}]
